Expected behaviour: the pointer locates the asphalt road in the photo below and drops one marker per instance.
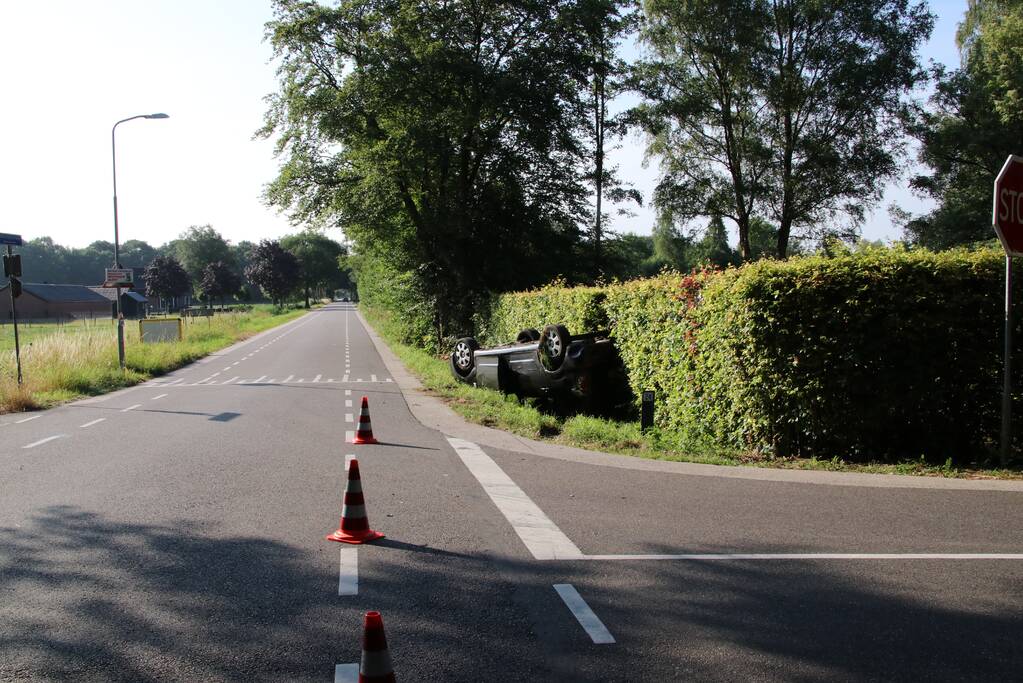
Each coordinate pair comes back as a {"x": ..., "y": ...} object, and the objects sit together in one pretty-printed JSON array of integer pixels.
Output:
[{"x": 175, "y": 531}]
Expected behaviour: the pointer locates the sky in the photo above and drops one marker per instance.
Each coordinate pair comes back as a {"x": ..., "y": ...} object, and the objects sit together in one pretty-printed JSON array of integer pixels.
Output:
[{"x": 72, "y": 69}]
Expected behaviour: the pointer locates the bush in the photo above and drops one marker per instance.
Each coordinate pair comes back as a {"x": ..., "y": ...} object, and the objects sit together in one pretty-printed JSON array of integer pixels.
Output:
[{"x": 580, "y": 309}]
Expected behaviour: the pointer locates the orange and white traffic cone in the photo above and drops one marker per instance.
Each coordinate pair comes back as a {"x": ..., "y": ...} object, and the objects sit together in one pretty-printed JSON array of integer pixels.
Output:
[
  {"x": 365, "y": 432},
  {"x": 354, "y": 527},
  {"x": 376, "y": 660}
]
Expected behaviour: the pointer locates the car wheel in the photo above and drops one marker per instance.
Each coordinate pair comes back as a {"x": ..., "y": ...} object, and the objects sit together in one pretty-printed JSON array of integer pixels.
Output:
[
  {"x": 553, "y": 347},
  {"x": 528, "y": 335},
  {"x": 463, "y": 360}
]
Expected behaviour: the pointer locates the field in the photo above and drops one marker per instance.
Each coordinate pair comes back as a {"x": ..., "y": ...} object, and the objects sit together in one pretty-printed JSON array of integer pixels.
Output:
[{"x": 62, "y": 362}]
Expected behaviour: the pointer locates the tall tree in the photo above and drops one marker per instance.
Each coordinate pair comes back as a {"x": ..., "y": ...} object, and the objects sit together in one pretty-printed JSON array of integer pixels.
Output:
[
  {"x": 274, "y": 269},
  {"x": 200, "y": 246},
  {"x": 166, "y": 278},
  {"x": 783, "y": 108},
  {"x": 973, "y": 121},
  {"x": 442, "y": 136},
  {"x": 317, "y": 258},
  {"x": 218, "y": 280}
]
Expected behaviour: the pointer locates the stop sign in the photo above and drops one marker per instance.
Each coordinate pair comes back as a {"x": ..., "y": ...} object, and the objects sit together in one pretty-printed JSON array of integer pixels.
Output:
[{"x": 1008, "y": 211}]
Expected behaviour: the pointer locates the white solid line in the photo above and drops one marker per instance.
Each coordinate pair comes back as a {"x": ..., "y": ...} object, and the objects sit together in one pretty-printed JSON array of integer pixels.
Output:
[
  {"x": 89, "y": 424},
  {"x": 42, "y": 441},
  {"x": 540, "y": 535},
  {"x": 349, "y": 435},
  {"x": 348, "y": 577},
  {"x": 34, "y": 417},
  {"x": 156, "y": 397},
  {"x": 349, "y": 417},
  {"x": 813, "y": 556},
  {"x": 137, "y": 405},
  {"x": 372, "y": 378},
  {"x": 348, "y": 402},
  {"x": 590, "y": 622},
  {"x": 346, "y": 673},
  {"x": 317, "y": 378}
]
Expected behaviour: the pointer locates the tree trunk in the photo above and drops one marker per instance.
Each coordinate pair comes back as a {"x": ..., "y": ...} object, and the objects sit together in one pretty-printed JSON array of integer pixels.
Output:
[{"x": 307, "y": 296}]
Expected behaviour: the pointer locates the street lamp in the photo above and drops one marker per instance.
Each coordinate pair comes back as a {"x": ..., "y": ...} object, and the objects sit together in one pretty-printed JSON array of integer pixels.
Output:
[{"x": 117, "y": 246}]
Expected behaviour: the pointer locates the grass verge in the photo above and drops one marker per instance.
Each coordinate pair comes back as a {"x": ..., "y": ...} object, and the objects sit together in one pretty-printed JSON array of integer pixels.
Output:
[
  {"x": 73, "y": 361},
  {"x": 494, "y": 409}
]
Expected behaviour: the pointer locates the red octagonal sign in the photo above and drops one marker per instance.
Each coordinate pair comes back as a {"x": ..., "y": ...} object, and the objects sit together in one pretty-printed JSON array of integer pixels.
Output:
[{"x": 1008, "y": 212}]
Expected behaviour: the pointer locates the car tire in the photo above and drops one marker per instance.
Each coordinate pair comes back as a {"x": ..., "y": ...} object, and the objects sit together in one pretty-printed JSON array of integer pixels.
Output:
[
  {"x": 530, "y": 334},
  {"x": 463, "y": 358},
  {"x": 553, "y": 347}
]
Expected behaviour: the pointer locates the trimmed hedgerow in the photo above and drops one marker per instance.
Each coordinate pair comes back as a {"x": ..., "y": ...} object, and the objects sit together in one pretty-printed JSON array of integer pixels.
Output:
[
  {"x": 884, "y": 354},
  {"x": 580, "y": 309}
]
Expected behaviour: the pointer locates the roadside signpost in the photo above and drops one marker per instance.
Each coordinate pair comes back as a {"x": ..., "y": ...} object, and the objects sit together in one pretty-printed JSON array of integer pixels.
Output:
[
  {"x": 1007, "y": 218},
  {"x": 119, "y": 277},
  {"x": 12, "y": 271}
]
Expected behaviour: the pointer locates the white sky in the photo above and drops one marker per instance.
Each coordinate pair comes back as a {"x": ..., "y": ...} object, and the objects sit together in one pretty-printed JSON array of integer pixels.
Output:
[{"x": 71, "y": 69}]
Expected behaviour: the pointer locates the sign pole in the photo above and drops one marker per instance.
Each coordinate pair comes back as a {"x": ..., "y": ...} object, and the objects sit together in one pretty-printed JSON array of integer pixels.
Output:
[
  {"x": 1007, "y": 380},
  {"x": 14, "y": 317}
]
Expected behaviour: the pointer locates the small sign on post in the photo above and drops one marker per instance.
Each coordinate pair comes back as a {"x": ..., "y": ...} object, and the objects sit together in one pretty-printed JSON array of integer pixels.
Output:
[
  {"x": 119, "y": 277},
  {"x": 646, "y": 411},
  {"x": 12, "y": 270},
  {"x": 10, "y": 240},
  {"x": 1007, "y": 218}
]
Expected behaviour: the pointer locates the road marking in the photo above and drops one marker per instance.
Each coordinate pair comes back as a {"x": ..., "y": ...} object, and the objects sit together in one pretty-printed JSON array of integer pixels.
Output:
[
  {"x": 348, "y": 460},
  {"x": 288, "y": 379},
  {"x": 179, "y": 379},
  {"x": 349, "y": 436},
  {"x": 214, "y": 375},
  {"x": 713, "y": 557},
  {"x": 156, "y": 397},
  {"x": 137, "y": 405},
  {"x": 235, "y": 363},
  {"x": 388, "y": 380},
  {"x": 89, "y": 424},
  {"x": 348, "y": 577},
  {"x": 590, "y": 622},
  {"x": 27, "y": 419},
  {"x": 349, "y": 417},
  {"x": 348, "y": 392},
  {"x": 348, "y": 402},
  {"x": 346, "y": 673},
  {"x": 257, "y": 381},
  {"x": 317, "y": 378},
  {"x": 372, "y": 378},
  {"x": 226, "y": 369},
  {"x": 540, "y": 535},
  {"x": 46, "y": 440},
  {"x": 345, "y": 378},
  {"x": 232, "y": 379}
]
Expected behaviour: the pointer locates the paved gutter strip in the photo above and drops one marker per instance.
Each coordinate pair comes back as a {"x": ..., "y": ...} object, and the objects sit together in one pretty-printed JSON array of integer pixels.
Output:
[{"x": 590, "y": 622}]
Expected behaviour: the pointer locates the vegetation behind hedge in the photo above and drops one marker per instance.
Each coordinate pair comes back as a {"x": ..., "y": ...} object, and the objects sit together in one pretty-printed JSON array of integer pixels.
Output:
[{"x": 578, "y": 308}]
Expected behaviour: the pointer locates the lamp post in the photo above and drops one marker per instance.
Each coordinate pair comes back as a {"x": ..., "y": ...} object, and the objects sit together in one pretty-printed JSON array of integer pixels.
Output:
[{"x": 117, "y": 246}]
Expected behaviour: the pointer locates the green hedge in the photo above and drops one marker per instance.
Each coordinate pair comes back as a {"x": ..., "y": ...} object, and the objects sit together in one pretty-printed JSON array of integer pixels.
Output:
[
  {"x": 580, "y": 309},
  {"x": 886, "y": 354}
]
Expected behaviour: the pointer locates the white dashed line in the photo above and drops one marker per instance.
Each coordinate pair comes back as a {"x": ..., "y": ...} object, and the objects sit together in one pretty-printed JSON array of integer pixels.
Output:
[
  {"x": 156, "y": 397},
  {"x": 317, "y": 378},
  {"x": 46, "y": 440},
  {"x": 372, "y": 378},
  {"x": 348, "y": 578},
  {"x": 590, "y": 622},
  {"x": 27, "y": 419},
  {"x": 348, "y": 392},
  {"x": 345, "y": 378},
  {"x": 348, "y": 402},
  {"x": 288, "y": 379},
  {"x": 349, "y": 417},
  {"x": 349, "y": 435},
  {"x": 137, "y": 405},
  {"x": 94, "y": 422},
  {"x": 346, "y": 673},
  {"x": 232, "y": 379}
]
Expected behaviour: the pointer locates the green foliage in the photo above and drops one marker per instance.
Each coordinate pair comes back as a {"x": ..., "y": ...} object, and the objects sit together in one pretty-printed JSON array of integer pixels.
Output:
[
  {"x": 786, "y": 110},
  {"x": 218, "y": 280},
  {"x": 580, "y": 309},
  {"x": 166, "y": 278},
  {"x": 200, "y": 246},
  {"x": 318, "y": 261}
]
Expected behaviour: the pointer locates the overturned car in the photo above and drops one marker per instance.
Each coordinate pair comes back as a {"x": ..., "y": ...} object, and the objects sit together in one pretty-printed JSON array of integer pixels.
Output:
[{"x": 576, "y": 372}]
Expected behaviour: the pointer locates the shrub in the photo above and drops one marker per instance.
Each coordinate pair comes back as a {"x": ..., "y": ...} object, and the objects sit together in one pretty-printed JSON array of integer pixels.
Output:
[{"x": 580, "y": 309}]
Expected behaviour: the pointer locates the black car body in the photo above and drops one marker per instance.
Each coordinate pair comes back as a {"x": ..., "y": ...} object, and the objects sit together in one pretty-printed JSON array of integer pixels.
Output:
[{"x": 577, "y": 371}]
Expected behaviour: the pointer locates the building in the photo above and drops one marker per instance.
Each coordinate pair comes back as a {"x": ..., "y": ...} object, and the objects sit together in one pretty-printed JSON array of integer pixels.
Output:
[
  {"x": 133, "y": 304},
  {"x": 54, "y": 302}
]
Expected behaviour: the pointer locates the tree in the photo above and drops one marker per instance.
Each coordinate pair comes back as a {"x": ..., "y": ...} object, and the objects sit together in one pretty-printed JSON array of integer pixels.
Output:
[
  {"x": 443, "y": 137},
  {"x": 219, "y": 280},
  {"x": 165, "y": 278},
  {"x": 713, "y": 248},
  {"x": 973, "y": 122},
  {"x": 787, "y": 109},
  {"x": 318, "y": 260},
  {"x": 200, "y": 246},
  {"x": 274, "y": 269}
]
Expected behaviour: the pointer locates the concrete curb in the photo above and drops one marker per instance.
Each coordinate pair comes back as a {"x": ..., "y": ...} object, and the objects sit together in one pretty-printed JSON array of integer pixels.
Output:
[{"x": 433, "y": 413}]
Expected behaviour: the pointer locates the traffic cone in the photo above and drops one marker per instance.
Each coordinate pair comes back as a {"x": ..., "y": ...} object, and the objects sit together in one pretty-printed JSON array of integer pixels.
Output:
[
  {"x": 376, "y": 660},
  {"x": 365, "y": 432},
  {"x": 354, "y": 527}
]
